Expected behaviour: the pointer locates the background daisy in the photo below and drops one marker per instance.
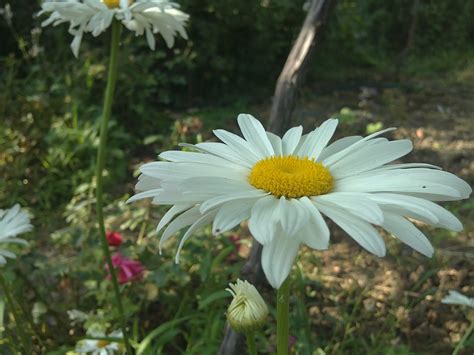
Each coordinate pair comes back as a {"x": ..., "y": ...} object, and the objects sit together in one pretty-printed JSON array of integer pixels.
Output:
[
  {"x": 95, "y": 16},
  {"x": 13, "y": 222}
]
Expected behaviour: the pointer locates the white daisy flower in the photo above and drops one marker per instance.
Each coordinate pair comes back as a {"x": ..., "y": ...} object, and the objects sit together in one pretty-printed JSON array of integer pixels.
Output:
[
  {"x": 284, "y": 185},
  {"x": 455, "y": 297},
  {"x": 95, "y": 16},
  {"x": 100, "y": 347},
  {"x": 13, "y": 222}
]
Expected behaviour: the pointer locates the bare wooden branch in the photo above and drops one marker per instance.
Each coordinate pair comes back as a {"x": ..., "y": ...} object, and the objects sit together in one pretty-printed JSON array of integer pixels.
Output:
[{"x": 282, "y": 107}]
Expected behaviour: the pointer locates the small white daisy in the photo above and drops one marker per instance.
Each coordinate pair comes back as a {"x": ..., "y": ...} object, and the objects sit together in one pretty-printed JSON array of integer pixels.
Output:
[
  {"x": 100, "y": 347},
  {"x": 284, "y": 185},
  {"x": 95, "y": 16},
  {"x": 13, "y": 222},
  {"x": 454, "y": 297}
]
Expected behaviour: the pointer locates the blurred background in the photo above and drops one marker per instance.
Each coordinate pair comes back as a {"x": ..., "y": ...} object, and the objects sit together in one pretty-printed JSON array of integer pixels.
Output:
[{"x": 402, "y": 63}]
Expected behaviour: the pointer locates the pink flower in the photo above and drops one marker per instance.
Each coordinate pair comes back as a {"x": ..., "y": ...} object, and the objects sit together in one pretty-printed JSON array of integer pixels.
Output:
[
  {"x": 128, "y": 270},
  {"x": 114, "y": 238}
]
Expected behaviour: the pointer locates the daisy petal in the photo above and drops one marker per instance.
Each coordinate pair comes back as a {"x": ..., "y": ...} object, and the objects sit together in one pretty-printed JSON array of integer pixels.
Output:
[
  {"x": 292, "y": 215},
  {"x": 315, "y": 234},
  {"x": 185, "y": 219},
  {"x": 278, "y": 257},
  {"x": 361, "y": 231},
  {"x": 262, "y": 223},
  {"x": 318, "y": 139},
  {"x": 231, "y": 214},
  {"x": 337, "y": 146},
  {"x": 341, "y": 154},
  {"x": 276, "y": 143},
  {"x": 240, "y": 146},
  {"x": 170, "y": 214},
  {"x": 291, "y": 140},
  {"x": 358, "y": 204},
  {"x": 436, "y": 185},
  {"x": 407, "y": 233},
  {"x": 369, "y": 157},
  {"x": 201, "y": 222},
  {"x": 255, "y": 134},
  {"x": 219, "y": 200}
]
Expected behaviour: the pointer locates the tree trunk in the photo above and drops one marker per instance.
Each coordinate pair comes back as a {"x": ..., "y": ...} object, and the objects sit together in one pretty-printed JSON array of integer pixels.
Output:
[{"x": 282, "y": 107}]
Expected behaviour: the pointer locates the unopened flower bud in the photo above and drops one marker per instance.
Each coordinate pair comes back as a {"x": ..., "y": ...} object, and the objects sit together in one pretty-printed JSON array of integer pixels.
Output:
[{"x": 247, "y": 311}]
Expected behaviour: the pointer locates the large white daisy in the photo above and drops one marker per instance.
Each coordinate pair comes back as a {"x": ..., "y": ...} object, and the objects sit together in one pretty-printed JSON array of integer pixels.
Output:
[
  {"x": 284, "y": 185},
  {"x": 95, "y": 16},
  {"x": 13, "y": 222}
]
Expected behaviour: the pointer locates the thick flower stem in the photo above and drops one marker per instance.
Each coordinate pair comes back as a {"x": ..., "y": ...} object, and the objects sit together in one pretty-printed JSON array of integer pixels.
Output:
[
  {"x": 109, "y": 93},
  {"x": 19, "y": 326},
  {"x": 283, "y": 306},
  {"x": 251, "y": 345},
  {"x": 464, "y": 338}
]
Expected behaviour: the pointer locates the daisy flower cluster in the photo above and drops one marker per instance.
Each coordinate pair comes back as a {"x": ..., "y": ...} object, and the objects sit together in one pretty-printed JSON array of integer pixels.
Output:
[
  {"x": 284, "y": 186},
  {"x": 13, "y": 222},
  {"x": 100, "y": 347},
  {"x": 95, "y": 16}
]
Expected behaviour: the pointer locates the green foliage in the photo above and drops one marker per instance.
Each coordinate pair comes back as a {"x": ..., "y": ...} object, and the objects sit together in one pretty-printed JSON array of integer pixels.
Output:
[{"x": 49, "y": 109}]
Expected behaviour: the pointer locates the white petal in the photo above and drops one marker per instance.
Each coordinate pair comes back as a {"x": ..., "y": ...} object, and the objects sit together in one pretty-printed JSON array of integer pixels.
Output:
[
  {"x": 369, "y": 157},
  {"x": 278, "y": 257},
  {"x": 180, "y": 171},
  {"x": 407, "y": 233},
  {"x": 418, "y": 208},
  {"x": 361, "y": 231},
  {"x": 338, "y": 145},
  {"x": 201, "y": 222},
  {"x": 185, "y": 219},
  {"x": 291, "y": 140},
  {"x": 435, "y": 184},
  {"x": 193, "y": 157},
  {"x": 292, "y": 215},
  {"x": 315, "y": 234},
  {"x": 455, "y": 297},
  {"x": 220, "y": 150},
  {"x": 144, "y": 194},
  {"x": 170, "y": 214},
  {"x": 341, "y": 154},
  {"x": 275, "y": 142},
  {"x": 147, "y": 183},
  {"x": 358, "y": 204},
  {"x": 262, "y": 222},
  {"x": 255, "y": 134},
  {"x": 150, "y": 39},
  {"x": 318, "y": 139},
  {"x": 239, "y": 145},
  {"x": 231, "y": 214},
  {"x": 214, "y": 185},
  {"x": 219, "y": 200}
]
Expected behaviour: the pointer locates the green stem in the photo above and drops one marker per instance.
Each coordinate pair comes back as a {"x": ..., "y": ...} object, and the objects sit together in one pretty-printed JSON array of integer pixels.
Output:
[
  {"x": 107, "y": 109},
  {"x": 19, "y": 326},
  {"x": 464, "y": 338},
  {"x": 283, "y": 306},
  {"x": 252, "y": 346}
]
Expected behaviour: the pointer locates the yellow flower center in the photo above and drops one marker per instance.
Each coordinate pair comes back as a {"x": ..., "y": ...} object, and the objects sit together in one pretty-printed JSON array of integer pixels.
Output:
[
  {"x": 111, "y": 4},
  {"x": 102, "y": 344},
  {"x": 291, "y": 176}
]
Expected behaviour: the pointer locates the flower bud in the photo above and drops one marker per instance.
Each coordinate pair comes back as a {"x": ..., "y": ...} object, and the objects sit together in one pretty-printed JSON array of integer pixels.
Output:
[{"x": 247, "y": 311}]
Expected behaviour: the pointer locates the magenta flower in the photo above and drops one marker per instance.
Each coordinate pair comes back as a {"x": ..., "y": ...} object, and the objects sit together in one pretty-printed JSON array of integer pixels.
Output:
[{"x": 128, "y": 270}]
